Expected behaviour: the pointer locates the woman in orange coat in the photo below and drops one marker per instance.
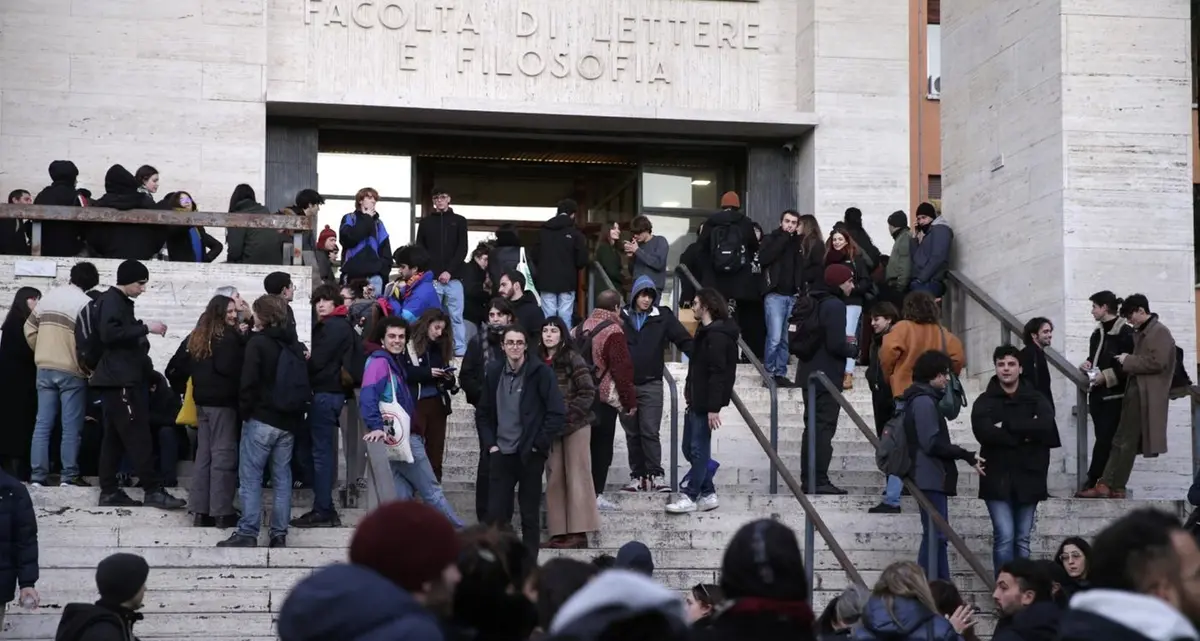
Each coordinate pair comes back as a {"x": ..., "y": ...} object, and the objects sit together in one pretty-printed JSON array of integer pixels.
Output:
[{"x": 918, "y": 332}]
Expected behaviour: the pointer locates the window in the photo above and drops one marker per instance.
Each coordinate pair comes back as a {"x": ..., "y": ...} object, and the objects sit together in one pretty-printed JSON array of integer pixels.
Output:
[
  {"x": 935, "y": 188},
  {"x": 935, "y": 12},
  {"x": 933, "y": 61},
  {"x": 340, "y": 176},
  {"x": 679, "y": 188}
]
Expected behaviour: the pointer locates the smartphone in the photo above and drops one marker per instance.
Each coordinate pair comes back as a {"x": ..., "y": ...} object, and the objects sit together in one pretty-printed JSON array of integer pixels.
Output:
[{"x": 449, "y": 370}]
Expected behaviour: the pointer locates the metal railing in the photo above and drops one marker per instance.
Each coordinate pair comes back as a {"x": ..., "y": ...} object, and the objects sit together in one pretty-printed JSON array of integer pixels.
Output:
[
  {"x": 963, "y": 288},
  {"x": 934, "y": 518},
  {"x": 671, "y": 384},
  {"x": 772, "y": 389}
]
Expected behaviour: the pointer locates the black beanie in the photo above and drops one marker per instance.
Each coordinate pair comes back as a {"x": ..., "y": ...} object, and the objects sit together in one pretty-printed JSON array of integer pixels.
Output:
[
  {"x": 120, "y": 576},
  {"x": 763, "y": 560},
  {"x": 898, "y": 219},
  {"x": 927, "y": 209},
  {"x": 131, "y": 271}
]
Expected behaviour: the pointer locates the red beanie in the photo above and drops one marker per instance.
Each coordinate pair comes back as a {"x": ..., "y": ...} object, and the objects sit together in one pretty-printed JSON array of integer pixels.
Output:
[
  {"x": 325, "y": 234},
  {"x": 835, "y": 275},
  {"x": 730, "y": 199},
  {"x": 407, "y": 542}
]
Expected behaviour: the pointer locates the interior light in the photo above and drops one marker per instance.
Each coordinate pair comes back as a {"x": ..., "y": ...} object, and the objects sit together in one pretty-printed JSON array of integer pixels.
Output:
[
  {"x": 669, "y": 203},
  {"x": 701, "y": 183}
]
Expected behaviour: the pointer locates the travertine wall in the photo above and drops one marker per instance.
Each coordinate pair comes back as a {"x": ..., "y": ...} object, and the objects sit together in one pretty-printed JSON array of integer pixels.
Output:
[
  {"x": 1067, "y": 170},
  {"x": 175, "y": 295}
]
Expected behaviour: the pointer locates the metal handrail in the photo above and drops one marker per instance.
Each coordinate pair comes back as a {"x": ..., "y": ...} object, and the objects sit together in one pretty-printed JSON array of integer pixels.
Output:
[
  {"x": 933, "y": 515},
  {"x": 674, "y": 387},
  {"x": 1010, "y": 325},
  {"x": 767, "y": 378}
]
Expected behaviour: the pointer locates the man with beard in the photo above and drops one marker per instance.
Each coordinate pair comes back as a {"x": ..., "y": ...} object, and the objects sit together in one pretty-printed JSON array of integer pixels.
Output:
[
  {"x": 1024, "y": 598},
  {"x": 1145, "y": 575}
]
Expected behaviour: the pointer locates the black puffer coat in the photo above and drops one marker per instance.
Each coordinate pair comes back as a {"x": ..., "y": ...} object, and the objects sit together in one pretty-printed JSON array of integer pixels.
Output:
[
  {"x": 1015, "y": 434},
  {"x": 18, "y": 538},
  {"x": 61, "y": 238},
  {"x": 119, "y": 240}
]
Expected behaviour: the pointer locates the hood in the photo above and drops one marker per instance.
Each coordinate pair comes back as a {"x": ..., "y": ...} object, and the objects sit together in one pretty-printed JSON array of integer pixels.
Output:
[
  {"x": 340, "y": 310},
  {"x": 908, "y": 616},
  {"x": 77, "y": 616},
  {"x": 1149, "y": 616},
  {"x": 559, "y": 222},
  {"x": 346, "y": 602},
  {"x": 921, "y": 389},
  {"x": 612, "y": 596},
  {"x": 507, "y": 238},
  {"x": 640, "y": 285},
  {"x": 64, "y": 172},
  {"x": 635, "y": 556},
  {"x": 118, "y": 180},
  {"x": 278, "y": 333},
  {"x": 248, "y": 206},
  {"x": 1037, "y": 622},
  {"x": 724, "y": 326},
  {"x": 940, "y": 221},
  {"x": 725, "y": 217}
]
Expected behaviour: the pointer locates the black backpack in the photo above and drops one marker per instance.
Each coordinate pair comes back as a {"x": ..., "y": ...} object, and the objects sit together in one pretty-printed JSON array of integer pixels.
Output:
[
  {"x": 894, "y": 455},
  {"x": 292, "y": 392},
  {"x": 804, "y": 327},
  {"x": 179, "y": 368},
  {"x": 583, "y": 345},
  {"x": 1180, "y": 378},
  {"x": 88, "y": 348},
  {"x": 728, "y": 248},
  {"x": 353, "y": 363}
]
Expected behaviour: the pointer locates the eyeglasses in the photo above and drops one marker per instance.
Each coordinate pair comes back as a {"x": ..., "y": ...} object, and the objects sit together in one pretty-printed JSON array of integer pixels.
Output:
[
  {"x": 1070, "y": 556},
  {"x": 514, "y": 343}
]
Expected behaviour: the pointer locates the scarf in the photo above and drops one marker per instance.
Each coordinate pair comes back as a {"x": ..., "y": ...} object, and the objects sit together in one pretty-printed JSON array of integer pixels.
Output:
[
  {"x": 410, "y": 285},
  {"x": 798, "y": 611},
  {"x": 835, "y": 256}
]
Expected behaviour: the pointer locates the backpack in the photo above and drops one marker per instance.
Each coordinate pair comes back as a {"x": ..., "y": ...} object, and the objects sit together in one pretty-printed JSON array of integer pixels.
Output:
[
  {"x": 1180, "y": 378},
  {"x": 292, "y": 392},
  {"x": 179, "y": 368},
  {"x": 894, "y": 454},
  {"x": 727, "y": 248},
  {"x": 583, "y": 345},
  {"x": 804, "y": 327},
  {"x": 88, "y": 348},
  {"x": 353, "y": 364}
]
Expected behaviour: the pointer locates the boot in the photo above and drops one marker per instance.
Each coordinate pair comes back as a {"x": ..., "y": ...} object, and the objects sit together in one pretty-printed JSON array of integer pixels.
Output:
[
  {"x": 1100, "y": 491},
  {"x": 163, "y": 501},
  {"x": 226, "y": 521},
  {"x": 203, "y": 520}
]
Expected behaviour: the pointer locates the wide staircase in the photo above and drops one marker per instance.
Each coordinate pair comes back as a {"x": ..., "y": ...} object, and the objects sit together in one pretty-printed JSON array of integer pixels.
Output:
[{"x": 196, "y": 590}]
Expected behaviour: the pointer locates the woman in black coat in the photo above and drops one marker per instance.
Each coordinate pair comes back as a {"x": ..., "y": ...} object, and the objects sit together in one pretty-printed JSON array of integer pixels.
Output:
[
  {"x": 18, "y": 385},
  {"x": 189, "y": 244}
]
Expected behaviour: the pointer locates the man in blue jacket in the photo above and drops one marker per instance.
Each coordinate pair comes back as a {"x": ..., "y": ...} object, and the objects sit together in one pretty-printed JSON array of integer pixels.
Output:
[
  {"x": 413, "y": 292},
  {"x": 367, "y": 248},
  {"x": 931, "y": 251}
]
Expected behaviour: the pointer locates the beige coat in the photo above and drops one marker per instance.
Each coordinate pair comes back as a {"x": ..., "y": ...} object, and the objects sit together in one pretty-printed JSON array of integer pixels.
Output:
[{"x": 1150, "y": 368}]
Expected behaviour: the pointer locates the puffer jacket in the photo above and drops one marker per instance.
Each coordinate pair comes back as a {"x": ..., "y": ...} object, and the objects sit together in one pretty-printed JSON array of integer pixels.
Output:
[
  {"x": 908, "y": 620},
  {"x": 120, "y": 240},
  {"x": 255, "y": 246}
]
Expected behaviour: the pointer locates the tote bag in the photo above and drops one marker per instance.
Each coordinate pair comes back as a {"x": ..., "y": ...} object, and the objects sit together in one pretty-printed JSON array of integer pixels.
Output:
[
  {"x": 187, "y": 413},
  {"x": 397, "y": 426},
  {"x": 954, "y": 398},
  {"x": 523, "y": 268}
]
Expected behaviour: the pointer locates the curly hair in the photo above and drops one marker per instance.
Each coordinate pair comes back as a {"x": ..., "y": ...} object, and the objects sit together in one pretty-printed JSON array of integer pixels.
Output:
[
  {"x": 210, "y": 327},
  {"x": 921, "y": 308}
]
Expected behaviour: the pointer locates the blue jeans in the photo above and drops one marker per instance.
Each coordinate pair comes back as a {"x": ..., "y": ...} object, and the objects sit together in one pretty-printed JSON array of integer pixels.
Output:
[
  {"x": 697, "y": 450},
  {"x": 54, "y": 390},
  {"x": 452, "y": 298},
  {"x": 853, "y": 313},
  {"x": 935, "y": 288},
  {"x": 417, "y": 479},
  {"x": 775, "y": 357},
  {"x": 927, "y": 530},
  {"x": 260, "y": 443},
  {"x": 1011, "y": 526},
  {"x": 560, "y": 305},
  {"x": 323, "y": 418},
  {"x": 891, "y": 492}
]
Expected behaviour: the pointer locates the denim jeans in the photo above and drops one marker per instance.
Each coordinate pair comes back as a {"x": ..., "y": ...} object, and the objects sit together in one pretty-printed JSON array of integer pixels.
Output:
[
  {"x": 927, "y": 530},
  {"x": 853, "y": 313},
  {"x": 1011, "y": 525},
  {"x": 260, "y": 443},
  {"x": 891, "y": 492},
  {"x": 417, "y": 479},
  {"x": 323, "y": 418},
  {"x": 560, "y": 305},
  {"x": 775, "y": 356},
  {"x": 54, "y": 390},
  {"x": 451, "y": 295},
  {"x": 697, "y": 450},
  {"x": 933, "y": 288}
]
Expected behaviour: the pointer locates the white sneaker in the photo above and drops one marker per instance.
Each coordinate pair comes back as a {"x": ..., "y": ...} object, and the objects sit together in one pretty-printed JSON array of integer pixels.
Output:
[
  {"x": 634, "y": 485},
  {"x": 606, "y": 505},
  {"x": 684, "y": 505},
  {"x": 709, "y": 502},
  {"x": 36, "y": 484},
  {"x": 656, "y": 485}
]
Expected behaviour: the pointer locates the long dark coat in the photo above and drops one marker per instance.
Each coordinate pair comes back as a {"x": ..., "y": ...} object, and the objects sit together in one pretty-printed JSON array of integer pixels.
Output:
[{"x": 18, "y": 391}]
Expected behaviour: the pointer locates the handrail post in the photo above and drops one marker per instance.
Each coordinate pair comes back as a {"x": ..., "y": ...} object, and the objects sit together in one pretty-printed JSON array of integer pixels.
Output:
[
  {"x": 931, "y": 547},
  {"x": 810, "y": 408},
  {"x": 1081, "y": 436},
  {"x": 674, "y": 428},
  {"x": 675, "y": 309}
]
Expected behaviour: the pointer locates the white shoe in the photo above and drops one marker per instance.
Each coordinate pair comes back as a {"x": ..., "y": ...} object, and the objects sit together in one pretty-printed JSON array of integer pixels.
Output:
[
  {"x": 606, "y": 505},
  {"x": 36, "y": 484},
  {"x": 634, "y": 485},
  {"x": 684, "y": 505},
  {"x": 709, "y": 502},
  {"x": 656, "y": 485}
]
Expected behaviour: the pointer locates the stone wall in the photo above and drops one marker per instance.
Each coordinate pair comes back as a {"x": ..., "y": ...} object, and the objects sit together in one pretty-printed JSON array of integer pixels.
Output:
[{"x": 175, "y": 295}]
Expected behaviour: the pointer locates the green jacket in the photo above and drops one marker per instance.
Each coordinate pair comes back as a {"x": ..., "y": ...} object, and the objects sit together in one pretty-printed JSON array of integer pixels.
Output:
[{"x": 899, "y": 267}]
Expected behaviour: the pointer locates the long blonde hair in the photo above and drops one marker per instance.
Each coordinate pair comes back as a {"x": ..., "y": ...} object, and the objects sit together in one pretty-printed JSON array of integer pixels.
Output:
[{"x": 904, "y": 579}]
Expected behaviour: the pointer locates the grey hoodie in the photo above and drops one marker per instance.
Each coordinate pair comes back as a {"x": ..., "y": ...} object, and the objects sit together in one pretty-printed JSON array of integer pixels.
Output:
[{"x": 612, "y": 596}]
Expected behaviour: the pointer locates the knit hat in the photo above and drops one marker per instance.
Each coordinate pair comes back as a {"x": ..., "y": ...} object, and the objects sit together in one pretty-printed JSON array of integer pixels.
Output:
[
  {"x": 130, "y": 272},
  {"x": 635, "y": 556},
  {"x": 325, "y": 234},
  {"x": 730, "y": 199},
  {"x": 927, "y": 209},
  {"x": 567, "y": 206},
  {"x": 835, "y": 275},
  {"x": 408, "y": 542},
  {"x": 898, "y": 219},
  {"x": 120, "y": 576},
  {"x": 763, "y": 560}
]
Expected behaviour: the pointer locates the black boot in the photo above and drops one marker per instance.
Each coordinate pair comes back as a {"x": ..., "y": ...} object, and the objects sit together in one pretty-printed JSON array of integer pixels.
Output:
[
  {"x": 203, "y": 520},
  {"x": 118, "y": 498},
  {"x": 163, "y": 501},
  {"x": 236, "y": 540},
  {"x": 226, "y": 521}
]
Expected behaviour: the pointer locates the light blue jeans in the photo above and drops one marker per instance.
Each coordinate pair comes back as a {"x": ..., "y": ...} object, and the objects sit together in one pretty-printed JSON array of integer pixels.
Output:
[
  {"x": 1012, "y": 524},
  {"x": 451, "y": 295},
  {"x": 777, "y": 308},
  {"x": 57, "y": 389},
  {"x": 560, "y": 305},
  {"x": 417, "y": 479},
  {"x": 260, "y": 443},
  {"x": 891, "y": 492},
  {"x": 853, "y": 313}
]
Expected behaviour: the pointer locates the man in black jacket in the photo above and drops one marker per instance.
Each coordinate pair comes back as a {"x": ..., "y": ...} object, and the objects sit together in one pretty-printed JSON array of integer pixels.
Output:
[
  {"x": 443, "y": 234},
  {"x": 518, "y": 417},
  {"x": 525, "y": 306},
  {"x": 1112, "y": 337},
  {"x": 1024, "y": 598},
  {"x": 18, "y": 543},
  {"x": 1038, "y": 335},
  {"x": 61, "y": 238},
  {"x": 830, "y": 358},
  {"x": 333, "y": 345},
  {"x": 712, "y": 370},
  {"x": 14, "y": 232},
  {"x": 725, "y": 252},
  {"x": 121, "y": 582},
  {"x": 1143, "y": 570},
  {"x": 780, "y": 256},
  {"x": 123, "y": 377},
  {"x": 649, "y": 330},
  {"x": 562, "y": 252},
  {"x": 477, "y": 291}
]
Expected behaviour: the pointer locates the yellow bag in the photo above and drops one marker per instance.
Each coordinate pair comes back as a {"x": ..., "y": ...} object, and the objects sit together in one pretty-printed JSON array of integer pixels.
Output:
[{"x": 187, "y": 413}]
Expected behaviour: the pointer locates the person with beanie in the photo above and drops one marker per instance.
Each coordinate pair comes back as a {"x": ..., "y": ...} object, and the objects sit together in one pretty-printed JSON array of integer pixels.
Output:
[
  {"x": 399, "y": 582},
  {"x": 931, "y": 251},
  {"x": 62, "y": 237},
  {"x": 121, "y": 583},
  {"x": 635, "y": 557},
  {"x": 853, "y": 224},
  {"x": 765, "y": 589},
  {"x": 443, "y": 234},
  {"x": 122, "y": 192},
  {"x": 122, "y": 377},
  {"x": 323, "y": 254},
  {"x": 726, "y": 248},
  {"x": 898, "y": 273},
  {"x": 561, "y": 253},
  {"x": 833, "y": 348}
]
